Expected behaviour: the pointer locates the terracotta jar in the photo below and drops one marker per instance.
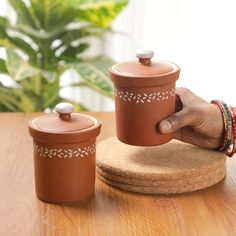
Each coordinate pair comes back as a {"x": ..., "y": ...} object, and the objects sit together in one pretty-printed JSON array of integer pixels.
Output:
[
  {"x": 144, "y": 95},
  {"x": 64, "y": 155}
]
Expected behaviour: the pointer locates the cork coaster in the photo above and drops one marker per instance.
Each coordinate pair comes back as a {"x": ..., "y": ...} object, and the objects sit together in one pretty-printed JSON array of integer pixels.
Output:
[
  {"x": 175, "y": 167},
  {"x": 165, "y": 189},
  {"x": 162, "y": 183},
  {"x": 171, "y": 161}
]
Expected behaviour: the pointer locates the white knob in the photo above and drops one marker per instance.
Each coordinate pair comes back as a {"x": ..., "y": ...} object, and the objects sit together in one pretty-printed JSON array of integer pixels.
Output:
[
  {"x": 144, "y": 54},
  {"x": 64, "y": 108}
]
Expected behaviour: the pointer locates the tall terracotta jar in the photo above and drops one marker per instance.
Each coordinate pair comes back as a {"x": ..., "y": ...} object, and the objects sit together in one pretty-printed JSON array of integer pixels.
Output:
[
  {"x": 64, "y": 155},
  {"x": 144, "y": 95}
]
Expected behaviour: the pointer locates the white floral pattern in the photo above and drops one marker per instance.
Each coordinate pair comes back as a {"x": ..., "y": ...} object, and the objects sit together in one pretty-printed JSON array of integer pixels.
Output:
[
  {"x": 64, "y": 153},
  {"x": 144, "y": 97}
]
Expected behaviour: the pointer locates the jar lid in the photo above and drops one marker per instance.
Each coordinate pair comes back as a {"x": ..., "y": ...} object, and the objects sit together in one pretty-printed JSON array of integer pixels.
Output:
[
  {"x": 64, "y": 126},
  {"x": 144, "y": 71}
]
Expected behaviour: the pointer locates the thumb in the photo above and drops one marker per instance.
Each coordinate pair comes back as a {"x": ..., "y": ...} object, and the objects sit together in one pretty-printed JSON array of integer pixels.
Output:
[{"x": 185, "y": 117}]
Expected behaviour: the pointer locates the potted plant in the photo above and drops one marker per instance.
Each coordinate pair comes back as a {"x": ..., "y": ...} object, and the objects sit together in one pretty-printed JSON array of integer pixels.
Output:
[{"x": 48, "y": 38}]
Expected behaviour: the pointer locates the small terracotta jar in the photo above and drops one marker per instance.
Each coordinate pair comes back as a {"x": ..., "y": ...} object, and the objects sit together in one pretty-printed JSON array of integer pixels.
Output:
[
  {"x": 144, "y": 95},
  {"x": 64, "y": 155}
]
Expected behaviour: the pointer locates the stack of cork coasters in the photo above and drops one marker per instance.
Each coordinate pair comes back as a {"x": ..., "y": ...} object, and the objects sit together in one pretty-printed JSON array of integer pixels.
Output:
[{"x": 174, "y": 167}]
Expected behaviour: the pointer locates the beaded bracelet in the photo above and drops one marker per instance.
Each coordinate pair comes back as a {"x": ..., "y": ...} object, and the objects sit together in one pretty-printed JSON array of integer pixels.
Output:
[
  {"x": 234, "y": 128},
  {"x": 230, "y": 126},
  {"x": 227, "y": 119},
  {"x": 232, "y": 148}
]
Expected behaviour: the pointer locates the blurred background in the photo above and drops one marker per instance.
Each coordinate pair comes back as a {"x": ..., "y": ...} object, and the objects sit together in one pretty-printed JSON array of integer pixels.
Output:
[{"x": 199, "y": 36}]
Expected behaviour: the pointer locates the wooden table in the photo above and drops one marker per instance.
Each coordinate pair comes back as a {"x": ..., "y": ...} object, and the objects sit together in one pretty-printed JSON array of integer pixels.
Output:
[{"x": 111, "y": 212}]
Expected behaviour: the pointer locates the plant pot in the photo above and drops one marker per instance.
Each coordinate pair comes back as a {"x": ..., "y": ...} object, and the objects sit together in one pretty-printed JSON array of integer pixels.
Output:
[
  {"x": 64, "y": 155},
  {"x": 144, "y": 95}
]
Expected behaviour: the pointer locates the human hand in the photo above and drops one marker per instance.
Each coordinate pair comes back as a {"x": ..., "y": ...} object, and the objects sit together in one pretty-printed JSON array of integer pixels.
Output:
[{"x": 196, "y": 121}]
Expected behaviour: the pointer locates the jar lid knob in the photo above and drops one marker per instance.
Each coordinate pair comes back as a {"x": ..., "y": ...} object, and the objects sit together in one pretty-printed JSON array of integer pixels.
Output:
[
  {"x": 64, "y": 110},
  {"x": 144, "y": 56}
]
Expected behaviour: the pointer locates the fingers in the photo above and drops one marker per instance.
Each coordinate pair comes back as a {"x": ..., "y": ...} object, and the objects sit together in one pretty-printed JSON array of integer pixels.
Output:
[
  {"x": 187, "y": 97},
  {"x": 178, "y": 103},
  {"x": 183, "y": 95},
  {"x": 185, "y": 117},
  {"x": 188, "y": 112}
]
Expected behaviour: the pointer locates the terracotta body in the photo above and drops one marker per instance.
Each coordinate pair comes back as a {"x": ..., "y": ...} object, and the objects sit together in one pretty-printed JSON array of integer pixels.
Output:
[
  {"x": 144, "y": 95},
  {"x": 64, "y": 158}
]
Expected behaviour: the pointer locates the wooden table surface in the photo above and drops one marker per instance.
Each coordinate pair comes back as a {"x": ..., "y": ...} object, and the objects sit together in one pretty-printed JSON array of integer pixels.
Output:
[{"x": 111, "y": 212}]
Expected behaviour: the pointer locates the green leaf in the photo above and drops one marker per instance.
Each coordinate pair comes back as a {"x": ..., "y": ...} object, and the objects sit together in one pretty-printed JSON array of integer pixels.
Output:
[
  {"x": 71, "y": 35},
  {"x": 26, "y": 103},
  {"x": 32, "y": 33},
  {"x": 53, "y": 13},
  {"x": 37, "y": 34},
  {"x": 49, "y": 75},
  {"x": 18, "y": 43},
  {"x": 41, "y": 10},
  {"x": 3, "y": 33},
  {"x": 32, "y": 85},
  {"x": 17, "y": 67},
  {"x": 51, "y": 94},
  {"x": 23, "y": 14},
  {"x": 70, "y": 53},
  {"x": 103, "y": 63},
  {"x": 15, "y": 99},
  {"x": 3, "y": 68},
  {"x": 100, "y": 13},
  {"x": 9, "y": 101},
  {"x": 24, "y": 46},
  {"x": 3, "y": 21},
  {"x": 3, "y": 25},
  {"x": 41, "y": 93},
  {"x": 5, "y": 42},
  {"x": 96, "y": 77}
]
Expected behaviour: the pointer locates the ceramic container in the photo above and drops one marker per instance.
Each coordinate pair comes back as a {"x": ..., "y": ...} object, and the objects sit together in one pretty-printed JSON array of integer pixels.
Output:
[
  {"x": 144, "y": 95},
  {"x": 64, "y": 155}
]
